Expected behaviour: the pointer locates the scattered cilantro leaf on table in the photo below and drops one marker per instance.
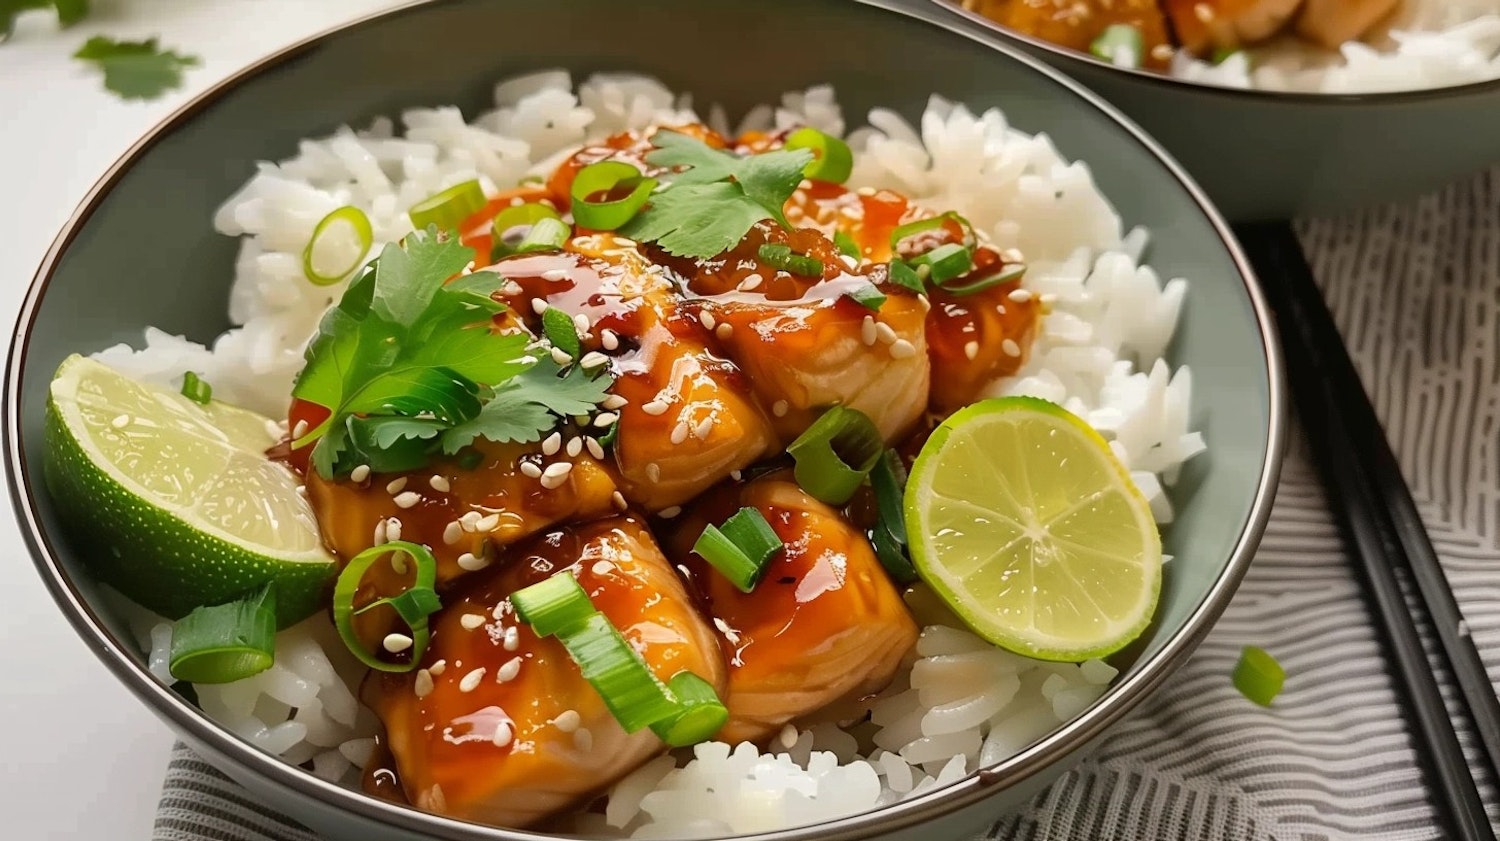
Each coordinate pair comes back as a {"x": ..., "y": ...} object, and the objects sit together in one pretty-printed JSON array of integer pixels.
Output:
[
  {"x": 69, "y": 12},
  {"x": 136, "y": 69},
  {"x": 715, "y": 197}
]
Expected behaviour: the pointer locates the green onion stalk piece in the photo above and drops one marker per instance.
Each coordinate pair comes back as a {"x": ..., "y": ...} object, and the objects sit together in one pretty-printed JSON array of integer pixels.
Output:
[
  {"x": 1006, "y": 275},
  {"x": 545, "y": 235},
  {"x": 739, "y": 548},
  {"x": 363, "y": 234},
  {"x": 944, "y": 263},
  {"x": 519, "y": 217},
  {"x": 414, "y": 605},
  {"x": 868, "y": 296},
  {"x": 889, "y": 538},
  {"x": 227, "y": 642},
  {"x": 782, "y": 257},
  {"x": 846, "y": 245},
  {"x": 699, "y": 713},
  {"x": 835, "y": 454},
  {"x": 449, "y": 208},
  {"x": 553, "y": 604},
  {"x": 196, "y": 389},
  {"x": 1119, "y": 44},
  {"x": 832, "y": 161},
  {"x": 609, "y": 178},
  {"x": 1258, "y": 676}
]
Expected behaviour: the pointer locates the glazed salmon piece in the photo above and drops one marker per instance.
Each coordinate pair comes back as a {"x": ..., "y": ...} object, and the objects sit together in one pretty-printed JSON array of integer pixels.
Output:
[
  {"x": 1076, "y": 24},
  {"x": 1203, "y": 26},
  {"x": 1333, "y": 22},
  {"x": 499, "y": 726}
]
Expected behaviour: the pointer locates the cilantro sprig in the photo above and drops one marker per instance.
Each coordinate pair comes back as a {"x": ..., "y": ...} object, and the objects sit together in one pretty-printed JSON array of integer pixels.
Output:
[
  {"x": 136, "y": 69},
  {"x": 69, "y": 12},
  {"x": 715, "y": 197},
  {"x": 408, "y": 365}
]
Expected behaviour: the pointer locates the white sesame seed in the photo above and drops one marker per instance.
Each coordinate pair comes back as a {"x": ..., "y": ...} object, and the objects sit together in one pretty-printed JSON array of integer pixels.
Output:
[
  {"x": 568, "y": 721},
  {"x": 619, "y": 500},
  {"x": 438, "y": 668},
  {"x": 735, "y": 475},
  {"x": 470, "y": 681},
  {"x": 703, "y": 428},
  {"x": 554, "y": 274},
  {"x": 530, "y": 468},
  {"x": 511, "y": 639},
  {"x": 360, "y": 473},
  {"x": 1010, "y": 347},
  {"x": 926, "y": 304},
  {"x": 604, "y": 419},
  {"x": 583, "y": 740},
  {"x": 508, "y": 671},
  {"x": 849, "y": 261},
  {"x": 561, "y": 357},
  {"x": 502, "y": 735},
  {"x": 470, "y": 621},
  {"x": 971, "y": 349},
  {"x": 614, "y": 401},
  {"x": 594, "y": 359},
  {"x": 884, "y": 332},
  {"x": 552, "y": 444},
  {"x": 750, "y": 282},
  {"x": 470, "y": 562},
  {"x": 653, "y": 472},
  {"x": 724, "y": 331},
  {"x": 407, "y": 499},
  {"x": 788, "y": 736},
  {"x": 867, "y": 332},
  {"x": 395, "y": 486},
  {"x": 1048, "y": 299},
  {"x": 487, "y": 523},
  {"x": 655, "y": 407},
  {"x": 575, "y": 447},
  {"x": 120, "y": 421},
  {"x": 609, "y": 340},
  {"x": 422, "y": 686},
  {"x": 510, "y": 287},
  {"x": 439, "y": 484},
  {"x": 679, "y": 433},
  {"x": 706, "y": 318},
  {"x": 1013, "y": 255},
  {"x": 300, "y": 429},
  {"x": 552, "y": 483},
  {"x": 581, "y": 324},
  {"x": 1020, "y": 296},
  {"x": 602, "y": 567},
  {"x": 557, "y": 469},
  {"x": 670, "y": 512},
  {"x": 902, "y": 349},
  {"x": 393, "y": 529},
  {"x": 396, "y": 643},
  {"x": 779, "y": 408},
  {"x": 379, "y": 538},
  {"x": 538, "y": 305},
  {"x": 453, "y": 532},
  {"x": 470, "y": 520}
]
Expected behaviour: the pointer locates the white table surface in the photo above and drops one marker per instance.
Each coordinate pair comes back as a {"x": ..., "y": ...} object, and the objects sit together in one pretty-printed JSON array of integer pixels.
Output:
[{"x": 79, "y": 757}]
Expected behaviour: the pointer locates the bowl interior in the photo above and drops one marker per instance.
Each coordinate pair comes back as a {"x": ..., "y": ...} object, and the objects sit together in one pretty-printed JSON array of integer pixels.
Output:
[{"x": 143, "y": 252}]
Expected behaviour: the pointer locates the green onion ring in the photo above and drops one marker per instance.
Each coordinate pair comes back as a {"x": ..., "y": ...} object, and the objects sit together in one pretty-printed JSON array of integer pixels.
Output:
[
  {"x": 414, "y": 605},
  {"x": 1006, "y": 275},
  {"x": 782, "y": 257},
  {"x": 517, "y": 216},
  {"x": 946, "y": 262},
  {"x": 607, "y": 177},
  {"x": 449, "y": 208},
  {"x": 835, "y": 454},
  {"x": 832, "y": 161},
  {"x": 362, "y": 231},
  {"x": 227, "y": 642}
]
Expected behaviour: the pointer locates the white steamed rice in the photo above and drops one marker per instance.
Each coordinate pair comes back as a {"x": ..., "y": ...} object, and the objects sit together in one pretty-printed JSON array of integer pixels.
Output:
[
  {"x": 963, "y": 704},
  {"x": 1428, "y": 44}
]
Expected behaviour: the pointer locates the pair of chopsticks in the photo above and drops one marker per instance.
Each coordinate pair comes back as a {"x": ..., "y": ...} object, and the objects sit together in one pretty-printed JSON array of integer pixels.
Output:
[{"x": 1380, "y": 523}]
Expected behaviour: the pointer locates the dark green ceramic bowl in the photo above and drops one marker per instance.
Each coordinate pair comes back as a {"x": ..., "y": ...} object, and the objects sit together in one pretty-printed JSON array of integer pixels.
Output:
[
  {"x": 1263, "y": 155},
  {"x": 113, "y": 270}
]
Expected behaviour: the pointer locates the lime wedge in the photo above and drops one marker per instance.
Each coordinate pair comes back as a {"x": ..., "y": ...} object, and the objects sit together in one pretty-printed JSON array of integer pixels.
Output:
[
  {"x": 1024, "y": 521},
  {"x": 176, "y": 502}
]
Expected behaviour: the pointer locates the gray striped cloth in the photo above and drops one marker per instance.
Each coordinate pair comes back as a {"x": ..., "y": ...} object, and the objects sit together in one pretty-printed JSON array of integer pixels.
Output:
[{"x": 1416, "y": 291}]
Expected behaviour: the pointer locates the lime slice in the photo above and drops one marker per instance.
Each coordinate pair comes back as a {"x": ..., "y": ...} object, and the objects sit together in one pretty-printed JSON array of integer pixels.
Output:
[
  {"x": 176, "y": 503},
  {"x": 1024, "y": 521}
]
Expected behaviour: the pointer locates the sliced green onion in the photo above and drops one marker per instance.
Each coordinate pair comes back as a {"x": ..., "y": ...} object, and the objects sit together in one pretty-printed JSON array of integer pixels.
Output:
[
  {"x": 364, "y": 235},
  {"x": 519, "y": 216},
  {"x": 449, "y": 208},
  {"x": 847, "y": 246},
  {"x": 945, "y": 262},
  {"x": 1120, "y": 44},
  {"x": 607, "y": 440},
  {"x": 740, "y": 548},
  {"x": 888, "y": 480},
  {"x": 1258, "y": 676},
  {"x": 782, "y": 257},
  {"x": 699, "y": 713},
  {"x": 1223, "y": 54},
  {"x": 545, "y": 235},
  {"x": 414, "y": 605},
  {"x": 905, "y": 276},
  {"x": 609, "y": 177},
  {"x": 892, "y": 555},
  {"x": 933, "y": 223},
  {"x": 868, "y": 296},
  {"x": 834, "y": 455},
  {"x": 832, "y": 161},
  {"x": 553, "y": 604},
  {"x": 1006, "y": 275},
  {"x": 195, "y": 389},
  {"x": 226, "y": 642},
  {"x": 618, "y": 673},
  {"x": 561, "y": 331}
]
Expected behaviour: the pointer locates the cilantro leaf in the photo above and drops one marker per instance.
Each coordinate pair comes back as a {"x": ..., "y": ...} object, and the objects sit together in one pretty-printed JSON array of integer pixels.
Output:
[
  {"x": 454, "y": 335},
  {"x": 392, "y": 444},
  {"x": 417, "y": 389},
  {"x": 69, "y": 12},
  {"x": 710, "y": 205},
  {"x": 135, "y": 69},
  {"x": 529, "y": 405},
  {"x": 407, "y": 278}
]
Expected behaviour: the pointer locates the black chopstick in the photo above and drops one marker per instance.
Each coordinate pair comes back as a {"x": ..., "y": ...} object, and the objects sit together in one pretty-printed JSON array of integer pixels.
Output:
[{"x": 1379, "y": 519}]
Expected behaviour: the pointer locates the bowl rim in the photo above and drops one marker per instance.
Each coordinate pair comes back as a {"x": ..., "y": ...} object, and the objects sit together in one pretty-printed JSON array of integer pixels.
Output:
[
  {"x": 195, "y": 726},
  {"x": 1413, "y": 96}
]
